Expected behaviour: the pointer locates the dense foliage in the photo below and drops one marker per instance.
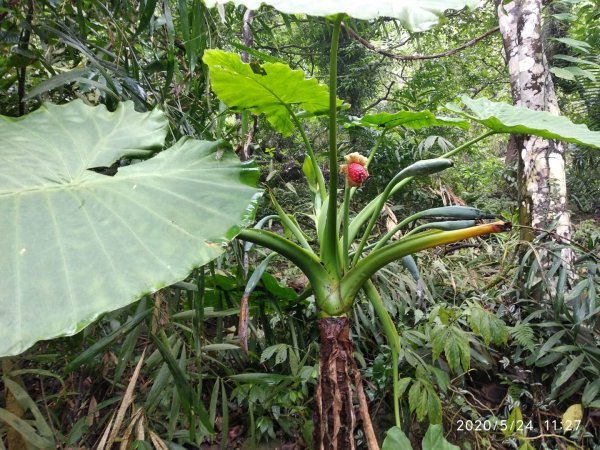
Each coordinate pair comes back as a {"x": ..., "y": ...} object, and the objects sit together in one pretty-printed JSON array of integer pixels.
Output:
[{"x": 498, "y": 350}]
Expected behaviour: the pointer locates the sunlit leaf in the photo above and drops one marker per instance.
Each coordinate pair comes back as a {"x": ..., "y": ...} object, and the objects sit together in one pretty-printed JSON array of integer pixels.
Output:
[
  {"x": 415, "y": 16},
  {"x": 77, "y": 243},
  {"x": 572, "y": 417},
  {"x": 272, "y": 90}
]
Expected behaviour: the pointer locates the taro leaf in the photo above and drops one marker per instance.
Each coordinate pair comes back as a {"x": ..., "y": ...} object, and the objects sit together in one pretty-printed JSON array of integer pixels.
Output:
[
  {"x": 411, "y": 119},
  {"x": 76, "y": 243},
  {"x": 269, "y": 90},
  {"x": 415, "y": 16},
  {"x": 505, "y": 118}
]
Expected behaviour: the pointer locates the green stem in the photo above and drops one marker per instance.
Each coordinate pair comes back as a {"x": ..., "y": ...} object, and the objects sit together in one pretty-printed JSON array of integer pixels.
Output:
[
  {"x": 329, "y": 246},
  {"x": 393, "y": 339},
  {"x": 377, "y": 144},
  {"x": 424, "y": 167},
  {"x": 460, "y": 148},
  {"x": 311, "y": 154},
  {"x": 346, "y": 219},
  {"x": 325, "y": 289},
  {"x": 306, "y": 261},
  {"x": 378, "y": 207}
]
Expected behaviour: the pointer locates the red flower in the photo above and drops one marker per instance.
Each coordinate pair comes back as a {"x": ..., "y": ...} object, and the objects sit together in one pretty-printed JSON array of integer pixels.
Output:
[
  {"x": 357, "y": 173},
  {"x": 355, "y": 170}
]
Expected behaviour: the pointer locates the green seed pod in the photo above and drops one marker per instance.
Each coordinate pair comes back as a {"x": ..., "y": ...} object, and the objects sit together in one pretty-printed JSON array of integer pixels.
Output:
[
  {"x": 424, "y": 167},
  {"x": 455, "y": 212}
]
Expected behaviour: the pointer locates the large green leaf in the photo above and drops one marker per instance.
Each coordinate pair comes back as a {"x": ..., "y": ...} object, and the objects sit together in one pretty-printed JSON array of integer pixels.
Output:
[
  {"x": 415, "y": 16},
  {"x": 411, "y": 119},
  {"x": 76, "y": 243},
  {"x": 270, "y": 89},
  {"x": 505, "y": 118}
]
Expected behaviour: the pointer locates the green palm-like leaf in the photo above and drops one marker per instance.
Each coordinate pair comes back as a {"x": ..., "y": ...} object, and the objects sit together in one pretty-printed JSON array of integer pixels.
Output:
[
  {"x": 505, "y": 118},
  {"x": 411, "y": 119},
  {"x": 271, "y": 89},
  {"x": 76, "y": 243},
  {"x": 415, "y": 16}
]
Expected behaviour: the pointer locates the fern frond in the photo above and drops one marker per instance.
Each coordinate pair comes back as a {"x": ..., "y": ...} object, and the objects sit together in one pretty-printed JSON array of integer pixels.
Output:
[{"x": 523, "y": 335}]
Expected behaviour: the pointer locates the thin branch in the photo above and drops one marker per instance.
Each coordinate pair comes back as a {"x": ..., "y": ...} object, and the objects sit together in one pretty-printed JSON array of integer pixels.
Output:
[
  {"x": 419, "y": 57},
  {"x": 379, "y": 100}
]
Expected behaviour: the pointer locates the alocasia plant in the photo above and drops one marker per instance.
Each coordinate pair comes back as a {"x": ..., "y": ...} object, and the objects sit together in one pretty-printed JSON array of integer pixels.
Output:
[
  {"x": 336, "y": 268},
  {"x": 80, "y": 242}
]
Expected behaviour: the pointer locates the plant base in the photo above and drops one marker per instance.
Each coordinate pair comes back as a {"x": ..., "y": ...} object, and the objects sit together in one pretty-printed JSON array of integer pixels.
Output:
[{"x": 339, "y": 391}]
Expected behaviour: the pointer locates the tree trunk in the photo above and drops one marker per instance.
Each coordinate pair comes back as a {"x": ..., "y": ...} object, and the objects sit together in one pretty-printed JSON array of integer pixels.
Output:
[
  {"x": 541, "y": 166},
  {"x": 339, "y": 390}
]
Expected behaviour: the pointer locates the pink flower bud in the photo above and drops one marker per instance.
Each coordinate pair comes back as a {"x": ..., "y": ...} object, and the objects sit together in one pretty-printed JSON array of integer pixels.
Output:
[{"x": 357, "y": 173}]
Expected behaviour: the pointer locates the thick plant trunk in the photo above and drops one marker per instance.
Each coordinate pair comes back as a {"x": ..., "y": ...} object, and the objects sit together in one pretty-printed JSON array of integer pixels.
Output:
[
  {"x": 541, "y": 165},
  {"x": 339, "y": 391}
]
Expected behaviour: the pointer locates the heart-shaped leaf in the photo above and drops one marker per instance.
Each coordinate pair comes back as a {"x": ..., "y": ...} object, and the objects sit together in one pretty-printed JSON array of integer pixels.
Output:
[
  {"x": 505, "y": 118},
  {"x": 77, "y": 243},
  {"x": 271, "y": 89},
  {"x": 415, "y": 16}
]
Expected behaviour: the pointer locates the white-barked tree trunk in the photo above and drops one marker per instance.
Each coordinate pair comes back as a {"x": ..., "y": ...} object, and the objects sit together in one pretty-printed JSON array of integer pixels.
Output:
[{"x": 541, "y": 172}]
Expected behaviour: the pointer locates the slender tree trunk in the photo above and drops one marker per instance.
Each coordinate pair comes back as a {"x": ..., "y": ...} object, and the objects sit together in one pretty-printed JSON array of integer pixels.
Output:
[
  {"x": 249, "y": 128},
  {"x": 541, "y": 162}
]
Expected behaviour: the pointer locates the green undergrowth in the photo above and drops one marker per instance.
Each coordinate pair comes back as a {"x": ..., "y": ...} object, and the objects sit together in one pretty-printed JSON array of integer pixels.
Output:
[{"x": 501, "y": 352}]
